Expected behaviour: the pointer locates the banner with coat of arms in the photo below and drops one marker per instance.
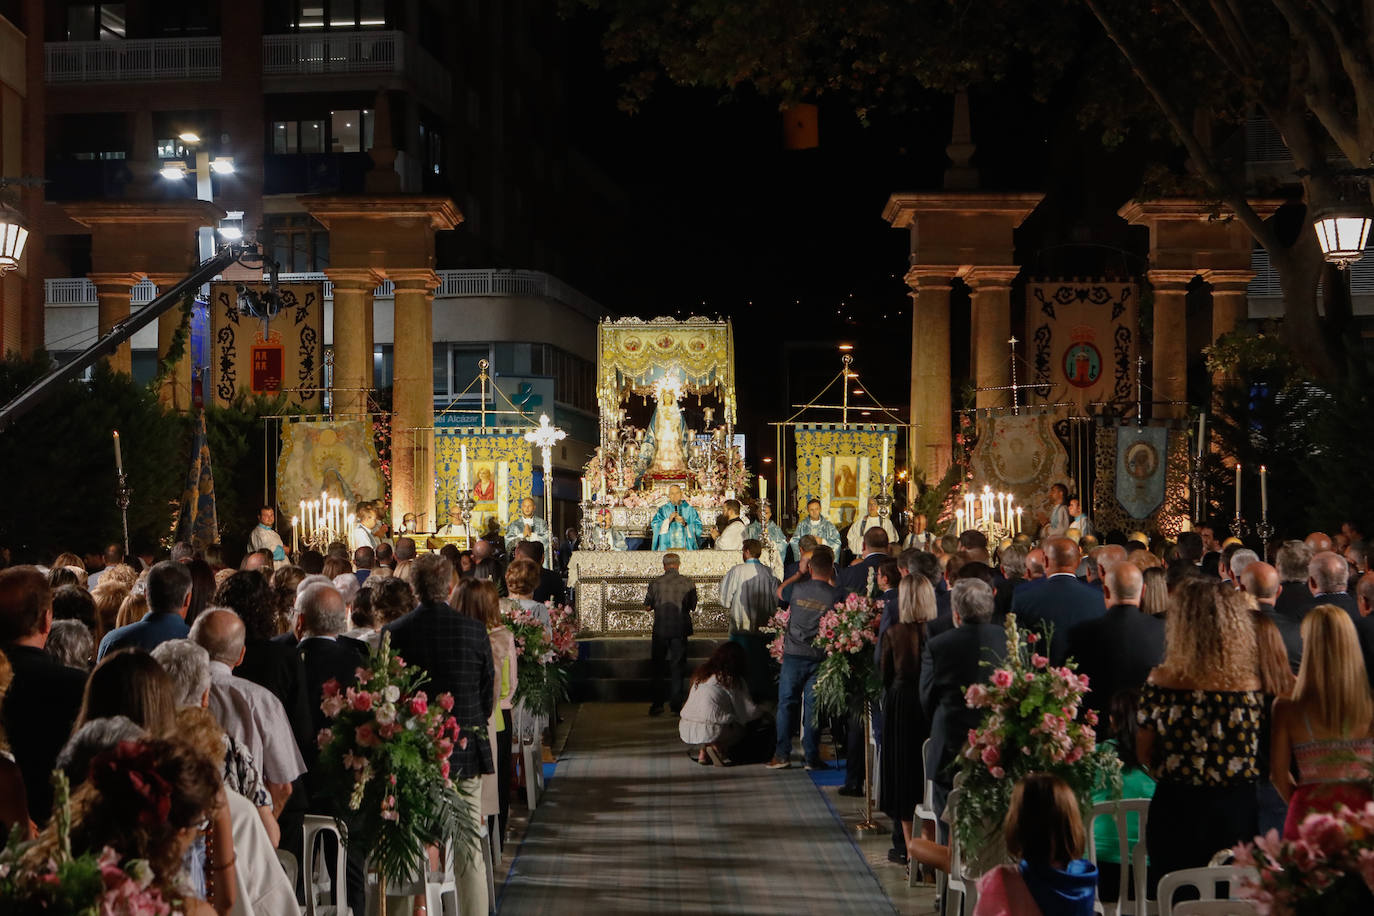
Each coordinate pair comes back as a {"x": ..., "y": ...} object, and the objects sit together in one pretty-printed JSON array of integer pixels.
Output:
[
  {"x": 1083, "y": 340},
  {"x": 250, "y": 356}
]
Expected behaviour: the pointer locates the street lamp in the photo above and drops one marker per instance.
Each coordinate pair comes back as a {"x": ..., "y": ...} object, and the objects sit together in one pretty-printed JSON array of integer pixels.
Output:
[
  {"x": 13, "y": 235},
  {"x": 1341, "y": 232}
]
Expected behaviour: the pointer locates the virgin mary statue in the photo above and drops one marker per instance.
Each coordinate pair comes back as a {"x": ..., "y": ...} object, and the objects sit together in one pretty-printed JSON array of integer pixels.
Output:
[{"x": 666, "y": 440}]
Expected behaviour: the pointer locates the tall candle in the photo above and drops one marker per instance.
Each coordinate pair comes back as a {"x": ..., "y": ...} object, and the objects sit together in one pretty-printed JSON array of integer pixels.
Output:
[
  {"x": 884, "y": 457},
  {"x": 295, "y": 534},
  {"x": 1237, "y": 489},
  {"x": 959, "y": 521},
  {"x": 968, "y": 506},
  {"x": 1264, "y": 493},
  {"x": 305, "y": 519},
  {"x": 119, "y": 458},
  {"x": 1018, "y": 519},
  {"x": 463, "y": 469},
  {"x": 763, "y": 488},
  {"x": 1201, "y": 432},
  {"x": 586, "y": 489}
]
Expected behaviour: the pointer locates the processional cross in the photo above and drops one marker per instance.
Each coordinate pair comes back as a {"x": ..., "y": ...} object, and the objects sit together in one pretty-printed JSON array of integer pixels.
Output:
[{"x": 545, "y": 436}]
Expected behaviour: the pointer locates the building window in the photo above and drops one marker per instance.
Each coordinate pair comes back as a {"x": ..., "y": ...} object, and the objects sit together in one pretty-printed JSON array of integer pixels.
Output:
[
  {"x": 434, "y": 150},
  {"x": 95, "y": 22},
  {"x": 171, "y": 149},
  {"x": 339, "y": 14},
  {"x": 298, "y": 136},
  {"x": 350, "y": 131},
  {"x": 297, "y": 243},
  {"x": 455, "y": 371},
  {"x": 186, "y": 17}
]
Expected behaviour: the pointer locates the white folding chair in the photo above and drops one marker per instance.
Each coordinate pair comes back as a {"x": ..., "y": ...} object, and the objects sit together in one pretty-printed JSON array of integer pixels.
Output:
[
  {"x": 1216, "y": 908},
  {"x": 875, "y": 759},
  {"x": 289, "y": 865},
  {"x": 438, "y": 887},
  {"x": 959, "y": 881},
  {"x": 925, "y": 811},
  {"x": 1204, "y": 880},
  {"x": 316, "y": 901},
  {"x": 1132, "y": 857}
]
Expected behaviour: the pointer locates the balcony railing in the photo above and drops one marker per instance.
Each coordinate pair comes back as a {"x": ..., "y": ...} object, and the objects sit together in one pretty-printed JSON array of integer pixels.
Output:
[
  {"x": 125, "y": 61},
  {"x": 78, "y": 291},
  {"x": 355, "y": 52}
]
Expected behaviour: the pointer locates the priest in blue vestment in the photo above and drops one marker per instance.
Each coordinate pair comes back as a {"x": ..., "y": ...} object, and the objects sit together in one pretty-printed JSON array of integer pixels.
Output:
[{"x": 676, "y": 525}]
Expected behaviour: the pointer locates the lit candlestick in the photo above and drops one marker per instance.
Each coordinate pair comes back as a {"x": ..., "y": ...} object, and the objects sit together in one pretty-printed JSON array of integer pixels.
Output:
[
  {"x": 295, "y": 534},
  {"x": 1018, "y": 520},
  {"x": 1002, "y": 508},
  {"x": 959, "y": 521},
  {"x": 763, "y": 488},
  {"x": 119, "y": 458},
  {"x": 305, "y": 519},
  {"x": 968, "y": 506},
  {"x": 1264, "y": 493},
  {"x": 884, "y": 457},
  {"x": 463, "y": 470},
  {"x": 1237, "y": 489},
  {"x": 586, "y": 489}
]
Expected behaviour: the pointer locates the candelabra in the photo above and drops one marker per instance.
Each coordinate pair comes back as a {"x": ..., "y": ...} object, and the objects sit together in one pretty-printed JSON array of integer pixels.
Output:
[
  {"x": 884, "y": 496},
  {"x": 595, "y": 535},
  {"x": 1239, "y": 526},
  {"x": 1264, "y": 531},
  {"x": 123, "y": 493},
  {"x": 321, "y": 522},
  {"x": 1198, "y": 484}
]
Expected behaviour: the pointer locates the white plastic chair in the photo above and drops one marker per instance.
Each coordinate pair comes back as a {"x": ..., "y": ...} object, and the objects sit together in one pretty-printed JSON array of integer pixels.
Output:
[
  {"x": 959, "y": 881},
  {"x": 289, "y": 865},
  {"x": 316, "y": 901},
  {"x": 1204, "y": 880},
  {"x": 1132, "y": 858},
  {"x": 1216, "y": 908},
  {"x": 439, "y": 887},
  {"x": 925, "y": 811}
]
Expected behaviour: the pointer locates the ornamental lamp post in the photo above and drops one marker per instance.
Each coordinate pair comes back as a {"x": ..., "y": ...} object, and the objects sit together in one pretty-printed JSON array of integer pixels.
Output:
[
  {"x": 1342, "y": 226},
  {"x": 14, "y": 233},
  {"x": 545, "y": 436}
]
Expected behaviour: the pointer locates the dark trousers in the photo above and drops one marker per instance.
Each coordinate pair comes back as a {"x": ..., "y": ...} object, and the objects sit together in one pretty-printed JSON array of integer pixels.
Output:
[
  {"x": 758, "y": 675},
  {"x": 855, "y": 748},
  {"x": 503, "y": 773},
  {"x": 668, "y": 658}
]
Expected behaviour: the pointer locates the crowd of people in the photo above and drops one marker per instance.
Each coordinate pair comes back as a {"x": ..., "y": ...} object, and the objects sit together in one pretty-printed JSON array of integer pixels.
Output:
[
  {"x": 1237, "y": 693},
  {"x": 182, "y": 699}
]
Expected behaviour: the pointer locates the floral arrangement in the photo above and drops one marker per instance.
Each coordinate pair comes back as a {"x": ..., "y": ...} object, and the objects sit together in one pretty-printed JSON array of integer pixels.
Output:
[
  {"x": 1328, "y": 869},
  {"x": 1031, "y": 725},
  {"x": 90, "y": 883},
  {"x": 386, "y": 751},
  {"x": 847, "y": 676},
  {"x": 635, "y": 500},
  {"x": 543, "y": 654},
  {"x": 777, "y": 625}
]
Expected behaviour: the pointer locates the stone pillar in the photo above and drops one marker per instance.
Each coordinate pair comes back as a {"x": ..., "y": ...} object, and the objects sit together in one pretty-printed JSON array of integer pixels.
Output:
[
  {"x": 175, "y": 391},
  {"x": 412, "y": 416},
  {"x": 1170, "y": 356},
  {"x": 1230, "y": 304},
  {"x": 990, "y": 331},
  {"x": 931, "y": 408},
  {"x": 352, "y": 333},
  {"x": 113, "y": 294}
]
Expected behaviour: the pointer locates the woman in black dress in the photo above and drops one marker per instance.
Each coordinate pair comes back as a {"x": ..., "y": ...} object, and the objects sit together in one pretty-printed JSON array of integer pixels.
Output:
[{"x": 905, "y": 727}]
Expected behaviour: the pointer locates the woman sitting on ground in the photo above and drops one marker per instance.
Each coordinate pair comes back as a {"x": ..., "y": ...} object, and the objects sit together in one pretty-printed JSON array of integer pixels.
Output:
[
  {"x": 718, "y": 707},
  {"x": 1045, "y": 831}
]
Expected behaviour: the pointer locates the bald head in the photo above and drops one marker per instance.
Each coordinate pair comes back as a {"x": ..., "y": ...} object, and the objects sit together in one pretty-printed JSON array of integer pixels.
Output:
[
  {"x": 1328, "y": 573},
  {"x": 1364, "y": 594},
  {"x": 1123, "y": 584},
  {"x": 1318, "y": 541},
  {"x": 322, "y": 611},
  {"x": 1035, "y": 564},
  {"x": 1104, "y": 558},
  {"x": 1061, "y": 556},
  {"x": 220, "y": 632},
  {"x": 1260, "y": 581}
]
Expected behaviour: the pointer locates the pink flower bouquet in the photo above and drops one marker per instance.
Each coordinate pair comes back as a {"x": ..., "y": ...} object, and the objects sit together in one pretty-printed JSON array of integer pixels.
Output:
[
  {"x": 1328, "y": 869},
  {"x": 847, "y": 677}
]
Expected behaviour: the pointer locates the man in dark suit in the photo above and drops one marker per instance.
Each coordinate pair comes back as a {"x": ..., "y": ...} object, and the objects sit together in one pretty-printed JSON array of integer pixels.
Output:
[
  {"x": 1261, "y": 581},
  {"x": 1117, "y": 650},
  {"x": 1292, "y": 560},
  {"x": 1328, "y": 576},
  {"x": 169, "y": 596},
  {"x": 1061, "y": 602},
  {"x": 949, "y": 663},
  {"x": 456, "y": 652},
  {"x": 854, "y": 579},
  {"x": 550, "y": 583},
  {"x": 323, "y": 654},
  {"x": 672, "y": 598},
  {"x": 45, "y": 695}
]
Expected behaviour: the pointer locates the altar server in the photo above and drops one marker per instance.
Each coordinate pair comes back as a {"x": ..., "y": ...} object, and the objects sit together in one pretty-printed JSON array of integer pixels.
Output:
[
  {"x": 676, "y": 525},
  {"x": 528, "y": 527},
  {"x": 873, "y": 520},
  {"x": 729, "y": 534},
  {"x": 767, "y": 532},
  {"x": 265, "y": 537},
  {"x": 822, "y": 529}
]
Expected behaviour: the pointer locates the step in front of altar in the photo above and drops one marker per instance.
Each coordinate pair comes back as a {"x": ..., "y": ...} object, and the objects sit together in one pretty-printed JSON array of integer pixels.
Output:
[{"x": 619, "y": 670}]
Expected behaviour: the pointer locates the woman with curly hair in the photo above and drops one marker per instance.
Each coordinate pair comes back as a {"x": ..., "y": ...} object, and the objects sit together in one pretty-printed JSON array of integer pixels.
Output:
[
  {"x": 1200, "y": 716},
  {"x": 718, "y": 708},
  {"x": 285, "y": 582},
  {"x": 148, "y": 800},
  {"x": 392, "y": 599}
]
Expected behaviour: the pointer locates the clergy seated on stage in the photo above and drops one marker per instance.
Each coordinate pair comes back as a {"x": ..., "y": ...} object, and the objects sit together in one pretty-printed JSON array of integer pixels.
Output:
[
  {"x": 822, "y": 529},
  {"x": 676, "y": 525},
  {"x": 729, "y": 533},
  {"x": 265, "y": 537},
  {"x": 528, "y": 527},
  {"x": 874, "y": 519}
]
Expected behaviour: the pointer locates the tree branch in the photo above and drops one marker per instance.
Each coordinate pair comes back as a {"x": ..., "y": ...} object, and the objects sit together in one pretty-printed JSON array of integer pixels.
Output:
[
  {"x": 1234, "y": 197},
  {"x": 1235, "y": 32},
  {"x": 1354, "y": 59},
  {"x": 1320, "y": 94},
  {"x": 1234, "y": 59}
]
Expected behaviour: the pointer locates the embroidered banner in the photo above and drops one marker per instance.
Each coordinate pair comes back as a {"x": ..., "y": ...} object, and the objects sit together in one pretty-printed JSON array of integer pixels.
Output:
[
  {"x": 249, "y": 356},
  {"x": 1140, "y": 469},
  {"x": 335, "y": 457},
  {"x": 500, "y": 474},
  {"x": 1020, "y": 455},
  {"x": 197, "y": 520},
  {"x": 1083, "y": 340},
  {"x": 841, "y": 466}
]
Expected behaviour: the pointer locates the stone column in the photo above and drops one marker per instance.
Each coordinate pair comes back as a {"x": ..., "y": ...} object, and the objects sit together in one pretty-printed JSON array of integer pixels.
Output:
[
  {"x": 1230, "y": 304},
  {"x": 412, "y": 416},
  {"x": 113, "y": 294},
  {"x": 175, "y": 391},
  {"x": 931, "y": 409},
  {"x": 1170, "y": 356},
  {"x": 990, "y": 330},
  {"x": 352, "y": 333}
]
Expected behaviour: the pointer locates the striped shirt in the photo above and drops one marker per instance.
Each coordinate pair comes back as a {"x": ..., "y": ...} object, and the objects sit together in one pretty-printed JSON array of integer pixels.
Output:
[{"x": 749, "y": 590}]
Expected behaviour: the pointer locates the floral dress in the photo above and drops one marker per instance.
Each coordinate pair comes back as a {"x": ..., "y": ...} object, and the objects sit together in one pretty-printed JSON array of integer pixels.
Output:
[{"x": 1205, "y": 769}]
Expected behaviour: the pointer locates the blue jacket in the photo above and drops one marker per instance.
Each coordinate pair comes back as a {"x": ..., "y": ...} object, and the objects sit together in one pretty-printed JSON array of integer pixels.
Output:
[{"x": 149, "y": 633}]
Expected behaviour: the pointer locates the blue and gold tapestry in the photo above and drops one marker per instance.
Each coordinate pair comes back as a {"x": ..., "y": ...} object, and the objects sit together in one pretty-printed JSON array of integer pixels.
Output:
[
  {"x": 500, "y": 472},
  {"x": 841, "y": 466}
]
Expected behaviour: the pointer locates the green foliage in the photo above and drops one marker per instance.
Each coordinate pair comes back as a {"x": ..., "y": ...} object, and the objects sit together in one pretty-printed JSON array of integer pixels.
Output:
[
  {"x": 238, "y": 441},
  {"x": 176, "y": 347},
  {"x": 59, "y": 470}
]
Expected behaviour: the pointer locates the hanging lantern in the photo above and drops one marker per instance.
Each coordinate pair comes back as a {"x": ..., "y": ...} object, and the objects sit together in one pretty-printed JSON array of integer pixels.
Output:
[
  {"x": 13, "y": 235},
  {"x": 1341, "y": 232}
]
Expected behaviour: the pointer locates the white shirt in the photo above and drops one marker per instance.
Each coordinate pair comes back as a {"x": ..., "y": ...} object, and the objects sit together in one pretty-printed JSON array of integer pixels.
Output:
[
  {"x": 264, "y": 538},
  {"x": 362, "y": 537},
  {"x": 731, "y": 535},
  {"x": 709, "y": 706},
  {"x": 253, "y": 716},
  {"x": 860, "y": 528}
]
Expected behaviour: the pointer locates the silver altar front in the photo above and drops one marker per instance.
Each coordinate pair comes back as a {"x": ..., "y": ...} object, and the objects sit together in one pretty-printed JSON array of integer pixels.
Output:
[{"x": 611, "y": 585}]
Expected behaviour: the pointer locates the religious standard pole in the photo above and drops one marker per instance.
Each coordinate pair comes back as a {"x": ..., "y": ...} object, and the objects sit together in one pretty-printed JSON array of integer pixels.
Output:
[{"x": 545, "y": 436}]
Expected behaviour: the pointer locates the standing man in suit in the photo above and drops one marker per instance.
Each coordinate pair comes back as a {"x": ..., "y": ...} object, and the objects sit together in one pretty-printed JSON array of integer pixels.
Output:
[
  {"x": 1117, "y": 650},
  {"x": 810, "y": 600},
  {"x": 1292, "y": 561},
  {"x": 1260, "y": 581},
  {"x": 45, "y": 695},
  {"x": 456, "y": 652},
  {"x": 855, "y": 579},
  {"x": 1328, "y": 576},
  {"x": 1013, "y": 563},
  {"x": 1060, "y": 602},
  {"x": 672, "y": 598},
  {"x": 949, "y": 663}
]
